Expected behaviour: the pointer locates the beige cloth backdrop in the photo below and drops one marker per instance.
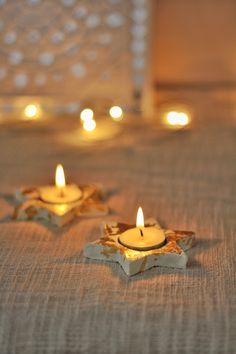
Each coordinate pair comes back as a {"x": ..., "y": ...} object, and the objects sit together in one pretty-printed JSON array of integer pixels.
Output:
[{"x": 53, "y": 300}]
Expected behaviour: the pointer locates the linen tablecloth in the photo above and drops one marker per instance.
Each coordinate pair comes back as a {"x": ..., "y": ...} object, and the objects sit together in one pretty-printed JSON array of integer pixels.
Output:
[{"x": 53, "y": 300}]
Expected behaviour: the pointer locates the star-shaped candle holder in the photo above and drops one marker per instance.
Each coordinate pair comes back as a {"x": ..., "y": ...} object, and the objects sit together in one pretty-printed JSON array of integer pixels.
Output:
[
  {"x": 32, "y": 207},
  {"x": 170, "y": 254}
]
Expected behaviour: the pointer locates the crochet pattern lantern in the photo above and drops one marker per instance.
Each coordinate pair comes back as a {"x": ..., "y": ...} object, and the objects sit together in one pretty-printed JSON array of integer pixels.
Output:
[{"x": 73, "y": 52}]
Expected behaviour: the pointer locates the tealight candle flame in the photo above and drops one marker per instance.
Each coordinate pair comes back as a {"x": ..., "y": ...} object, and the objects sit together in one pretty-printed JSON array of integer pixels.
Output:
[
  {"x": 60, "y": 177},
  {"x": 140, "y": 218}
]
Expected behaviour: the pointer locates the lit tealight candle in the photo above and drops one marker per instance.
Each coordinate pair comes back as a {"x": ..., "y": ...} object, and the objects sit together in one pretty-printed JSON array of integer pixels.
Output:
[
  {"x": 142, "y": 238},
  {"x": 60, "y": 193}
]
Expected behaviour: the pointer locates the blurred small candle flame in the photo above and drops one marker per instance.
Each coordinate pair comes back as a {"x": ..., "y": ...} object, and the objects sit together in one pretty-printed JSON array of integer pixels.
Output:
[
  {"x": 31, "y": 111},
  {"x": 60, "y": 177},
  {"x": 89, "y": 125},
  {"x": 172, "y": 118},
  {"x": 183, "y": 119},
  {"x": 140, "y": 218},
  {"x": 177, "y": 118},
  {"x": 86, "y": 114},
  {"x": 116, "y": 113}
]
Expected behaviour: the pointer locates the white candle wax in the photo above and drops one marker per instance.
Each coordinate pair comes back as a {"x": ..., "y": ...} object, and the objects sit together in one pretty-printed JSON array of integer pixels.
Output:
[
  {"x": 60, "y": 193},
  {"x": 143, "y": 239}
]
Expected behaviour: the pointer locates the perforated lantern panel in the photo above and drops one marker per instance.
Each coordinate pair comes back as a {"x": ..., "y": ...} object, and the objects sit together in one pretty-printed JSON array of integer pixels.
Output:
[{"x": 73, "y": 50}]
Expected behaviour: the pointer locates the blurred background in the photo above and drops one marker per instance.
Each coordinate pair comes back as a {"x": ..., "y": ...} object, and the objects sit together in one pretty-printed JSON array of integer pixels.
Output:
[
  {"x": 146, "y": 56},
  {"x": 193, "y": 52},
  {"x": 68, "y": 54}
]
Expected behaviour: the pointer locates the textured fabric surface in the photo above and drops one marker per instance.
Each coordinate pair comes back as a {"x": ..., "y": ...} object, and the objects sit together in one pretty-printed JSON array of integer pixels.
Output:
[{"x": 53, "y": 300}]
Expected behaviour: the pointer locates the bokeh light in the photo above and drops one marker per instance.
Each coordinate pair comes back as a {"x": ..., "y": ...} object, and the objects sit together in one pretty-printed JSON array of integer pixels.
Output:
[
  {"x": 177, "y": 118},
  {"x": 172, "y": 118},
  {"x": 116, "y": 113},
  {"x": 89, "y": 125},
  {"x": 32, "y": 111},
  {"x": 86, "y": 114},
  {"x": 183, "y": 119}
]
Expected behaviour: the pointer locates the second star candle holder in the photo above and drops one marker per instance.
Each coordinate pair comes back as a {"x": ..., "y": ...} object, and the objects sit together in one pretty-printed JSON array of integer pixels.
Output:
[{"x": 61, "y": 203}]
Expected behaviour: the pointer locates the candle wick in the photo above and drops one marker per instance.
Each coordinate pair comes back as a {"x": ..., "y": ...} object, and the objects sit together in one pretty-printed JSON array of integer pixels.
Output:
[
  {"x": 62, "y": 194},
  {"x": 141, "y": 232}
]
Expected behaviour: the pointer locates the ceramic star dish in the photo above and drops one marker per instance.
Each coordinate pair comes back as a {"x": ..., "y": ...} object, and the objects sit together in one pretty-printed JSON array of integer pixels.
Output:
[
  {"x": 171, "y": 254},
  {"x": 32, "y": 207}
]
